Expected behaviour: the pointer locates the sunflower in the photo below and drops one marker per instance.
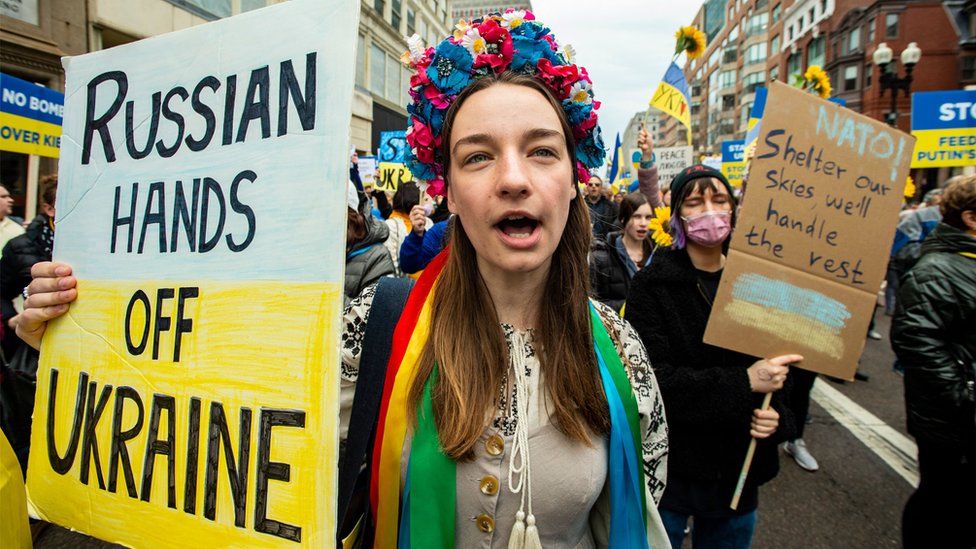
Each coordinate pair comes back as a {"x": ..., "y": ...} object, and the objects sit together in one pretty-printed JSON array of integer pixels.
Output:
[
  {"x": 815, "y": 79},
  {"x": 909, "y": 188},
  {"x": 660, "y": 226},
  {"x": 690, "y": 40}
]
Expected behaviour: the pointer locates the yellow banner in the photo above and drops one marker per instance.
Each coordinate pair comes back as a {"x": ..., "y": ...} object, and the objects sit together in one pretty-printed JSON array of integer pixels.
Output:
[
  {"x": 25, "y": 135},
  {"x": 944, "y": 148},
  {"x": 670, "y": 100},
  {"x": 188, "y": 415},
  {"x": 734, "y": 171},
  {"x": 391, "y": 175}
]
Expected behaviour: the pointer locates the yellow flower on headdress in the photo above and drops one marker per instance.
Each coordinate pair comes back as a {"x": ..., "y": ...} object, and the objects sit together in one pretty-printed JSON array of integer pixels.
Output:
[
  {"x": 910, "y": 188},
  {"x": 513, "y": 19},
  {"x": 660, "y": 226},
  {"x": 690, "y": 40}
]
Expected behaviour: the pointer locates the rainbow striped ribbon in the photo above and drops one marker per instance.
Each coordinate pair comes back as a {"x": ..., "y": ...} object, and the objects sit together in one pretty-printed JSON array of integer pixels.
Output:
[{"x": 428, "y": 500}]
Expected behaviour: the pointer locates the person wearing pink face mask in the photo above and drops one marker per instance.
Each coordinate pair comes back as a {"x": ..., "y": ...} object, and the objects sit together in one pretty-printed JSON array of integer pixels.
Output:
[{"x": 712, "y": 396}]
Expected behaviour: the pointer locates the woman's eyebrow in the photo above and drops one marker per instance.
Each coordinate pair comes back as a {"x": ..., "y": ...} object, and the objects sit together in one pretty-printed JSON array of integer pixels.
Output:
[
  {"x": 541, "y": 133},
  {"x": 473, "y": 139}
]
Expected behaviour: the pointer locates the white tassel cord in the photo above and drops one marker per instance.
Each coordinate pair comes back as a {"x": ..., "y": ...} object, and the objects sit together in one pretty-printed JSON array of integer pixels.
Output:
[{"x": 525, "y": 534}]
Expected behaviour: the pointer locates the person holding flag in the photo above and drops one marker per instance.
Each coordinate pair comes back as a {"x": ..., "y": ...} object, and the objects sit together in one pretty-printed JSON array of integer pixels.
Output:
[{"x": 672, "y": 95}]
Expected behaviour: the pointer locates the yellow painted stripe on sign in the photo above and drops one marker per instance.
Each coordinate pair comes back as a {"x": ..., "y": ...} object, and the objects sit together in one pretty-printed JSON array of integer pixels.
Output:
[
  {"x": 944, "y": 148},
  {"x": 25, "y": 135},
  {"x": 252, "y": 348},
  {"x": 788, "y": 326}
]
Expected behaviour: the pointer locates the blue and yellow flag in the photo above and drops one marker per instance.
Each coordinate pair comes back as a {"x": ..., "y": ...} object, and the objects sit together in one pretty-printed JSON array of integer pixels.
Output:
[
  {"x": 615, "y": 165},
  {"x": 673, "y": 98}
]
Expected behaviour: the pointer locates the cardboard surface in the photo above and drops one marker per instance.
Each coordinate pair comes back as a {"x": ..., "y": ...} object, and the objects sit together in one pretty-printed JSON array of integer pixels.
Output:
[
  {"x": 813, "y": 234},
  {"x": 190, "y": 395}
]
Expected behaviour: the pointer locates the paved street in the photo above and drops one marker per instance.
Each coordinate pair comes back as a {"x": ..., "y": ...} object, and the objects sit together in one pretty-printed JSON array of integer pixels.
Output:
[{"x": 854, "y": 501}]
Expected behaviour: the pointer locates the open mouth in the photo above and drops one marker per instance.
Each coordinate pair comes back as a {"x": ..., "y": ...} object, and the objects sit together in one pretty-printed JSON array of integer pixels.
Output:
[{"x": 517, "y": 227}]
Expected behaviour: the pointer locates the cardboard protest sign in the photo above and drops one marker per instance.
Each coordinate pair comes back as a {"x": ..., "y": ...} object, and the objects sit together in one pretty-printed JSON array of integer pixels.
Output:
[
  {"x": 190, "y": 395},
  {"x": 367, "y": 169},
  {"x": 670, "y": 161},
  {"x": 944, "y": 123},
  {"x": 392, "y": 156},
  {"x": 30, "y": 117},
  {"x": 733, "y": 161},
  {"x": 811, "y": 242}
]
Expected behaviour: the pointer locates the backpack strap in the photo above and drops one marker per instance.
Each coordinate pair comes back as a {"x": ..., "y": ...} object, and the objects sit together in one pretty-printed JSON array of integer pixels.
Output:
[{"x": 384, "y": 313}]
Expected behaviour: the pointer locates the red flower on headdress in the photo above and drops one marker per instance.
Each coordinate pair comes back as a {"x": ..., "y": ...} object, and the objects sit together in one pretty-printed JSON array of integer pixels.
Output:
[
  {"x": 421, "y": 138},
  {"x": 499, "y": 43},
  {"x": 435, "y": 187},
  {"x": 552, "y": 42},
  {"x": 559, "y": 78},
  {"x": 438, "y": 99},
  {"x": 583, "y": 128}
]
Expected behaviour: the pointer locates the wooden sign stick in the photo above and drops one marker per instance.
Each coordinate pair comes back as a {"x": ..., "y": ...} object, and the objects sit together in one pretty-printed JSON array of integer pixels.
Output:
[{"x": 748, "y": 463}]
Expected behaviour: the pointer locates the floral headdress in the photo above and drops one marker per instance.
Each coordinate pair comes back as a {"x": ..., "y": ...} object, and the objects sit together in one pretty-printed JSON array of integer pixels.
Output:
[{"x": 511, "y": 41}]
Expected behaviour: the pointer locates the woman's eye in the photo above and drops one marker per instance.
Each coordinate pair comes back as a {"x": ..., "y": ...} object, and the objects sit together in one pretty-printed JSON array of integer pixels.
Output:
[
  {"x": 476, "y": 157},
  {"x": 543, "y": 152}
]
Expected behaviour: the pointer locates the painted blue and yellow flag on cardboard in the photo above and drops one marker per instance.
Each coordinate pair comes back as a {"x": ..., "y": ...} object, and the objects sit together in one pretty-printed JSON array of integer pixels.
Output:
[
  {"x": 30, "y": 117},
  {"x": 673, "y": 98}
]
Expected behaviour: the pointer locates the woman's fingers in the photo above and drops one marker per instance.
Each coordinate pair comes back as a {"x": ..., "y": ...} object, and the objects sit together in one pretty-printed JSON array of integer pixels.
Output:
[
  {"x": 45, "y": 285},
  {"x": 784, "y": 360},
  {"x": 50, "y": 299},
  {"x": 32, "y": 323},
  {"x": 50, "y": 269}
]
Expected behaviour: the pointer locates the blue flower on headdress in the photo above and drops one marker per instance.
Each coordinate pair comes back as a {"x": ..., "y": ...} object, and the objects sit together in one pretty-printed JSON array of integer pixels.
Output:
[
  {"x": 529, "y": 29},
  {"x": 418, "y": 169},
  {"x": 591, "y": 150},
  {"x": 577, "y": 112},
  {"x": 450, "y": 68},
  {"x": 428, "y": 113},
  {"x": 528, "y": 51}
]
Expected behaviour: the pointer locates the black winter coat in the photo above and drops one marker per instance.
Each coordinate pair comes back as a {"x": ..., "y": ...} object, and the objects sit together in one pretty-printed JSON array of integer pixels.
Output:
[
  {"x": 934, "y": 335},
  {"x": 706, "y": 391},
  {"x": 609, "y": 277},
  {"x": 603, "y": 216},
  {"x": 19, "y": 255},
  {"x": 367, "y": 260}
]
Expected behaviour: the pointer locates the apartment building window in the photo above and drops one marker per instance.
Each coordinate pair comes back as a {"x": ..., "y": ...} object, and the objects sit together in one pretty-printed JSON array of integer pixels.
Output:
[
  {"x": 377, "y": 70},
  {"x": 744, "y": 115},
  {"x": 816, "y": 54},
  {"x": 392, "y": 78},
  {"x": 774, "y": 73},
  {"x": 774, "y": 45},
  {"x": 361, "y": 61},
  {"x": 422, "y": 29},
  {"x": 395, "y": 6},
  {"x": 727, "y": 79},
  {"x": 777, "y": 13},
  {"x": 823, "y": 7},
  {"x": 789, "y": 34},
  {"x": 730, "y": 54},
  {"x": 794, "y": 64},
  {"x": 891, "y": 25},
  {"x": 868, "y": 73},
  {"x": 850, "y": 78},
  {"x": 379, "y": 6},
  {"x": 854, "y": 40},
  {"x": 967, "y": 68},
  {"x": 695, "y": 90},
  {"x": 757, "y": 24},
  {"x": 728, "y": 103},
  {"x": 871, "y": 24},
  {"x": 753, "y": 81},
  {"x": 733, "y": 34},
  {"x": 713, "y": 58},
  {"x": 756, "y": 53},
  {"x": 411, "y": 22},
  {"x": 813, "y": 14},
  {"x": 761, "y": 4}
]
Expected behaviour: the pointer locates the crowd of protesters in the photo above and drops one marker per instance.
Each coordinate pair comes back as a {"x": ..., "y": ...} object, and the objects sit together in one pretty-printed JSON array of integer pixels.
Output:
[{"x": 546, "y": 283}]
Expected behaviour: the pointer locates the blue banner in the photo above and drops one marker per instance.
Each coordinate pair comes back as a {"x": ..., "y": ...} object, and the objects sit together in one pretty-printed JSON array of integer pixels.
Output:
[
  {"x": 732, "y": 151},
  {"x": 23, "y": 98},
  {"x": 944, "y": 110},
  {"x": 393, "y": 147}
]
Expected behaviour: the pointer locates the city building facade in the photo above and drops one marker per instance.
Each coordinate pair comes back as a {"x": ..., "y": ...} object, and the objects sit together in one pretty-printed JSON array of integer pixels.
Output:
[{"x": 472, "y": 9}]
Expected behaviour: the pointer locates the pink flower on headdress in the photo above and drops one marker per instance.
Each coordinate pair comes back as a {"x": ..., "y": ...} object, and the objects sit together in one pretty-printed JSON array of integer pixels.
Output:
[
  {"x": 419, "y": 78},
  {"x": 422, "y": 141},
  {"x": 582, "y": 172},
  {"x": 498, "y": 46},
  {"x": 560, "y": 79},
  {"x": 435, "y": 187},
  {"x": 437, "y": 98},
  {"x": 581, "y": 130},
  {"x": 552, "y": 42}
]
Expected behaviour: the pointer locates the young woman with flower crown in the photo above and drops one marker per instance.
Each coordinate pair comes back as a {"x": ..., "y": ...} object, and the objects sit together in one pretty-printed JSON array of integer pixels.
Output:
[{"x": 516, "y": 412}]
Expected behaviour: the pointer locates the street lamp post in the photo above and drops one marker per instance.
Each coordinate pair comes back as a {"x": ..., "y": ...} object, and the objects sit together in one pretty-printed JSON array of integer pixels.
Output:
[{"x": 889, "y": 74}]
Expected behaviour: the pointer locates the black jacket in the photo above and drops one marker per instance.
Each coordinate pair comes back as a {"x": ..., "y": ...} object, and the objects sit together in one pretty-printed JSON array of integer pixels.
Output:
[
  {"x": 934, "y": 335},
  {"x": 19, "y": 255},
  {"x": 706, "y": 390},
  {"x": 609, "y": 275},
  {"x": 368, "y": 259},
  {"x": 603, "y": 216}
]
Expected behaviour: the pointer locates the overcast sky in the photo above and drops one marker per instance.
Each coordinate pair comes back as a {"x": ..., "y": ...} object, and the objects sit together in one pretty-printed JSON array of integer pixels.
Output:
[{"x": 625, "y": 45}]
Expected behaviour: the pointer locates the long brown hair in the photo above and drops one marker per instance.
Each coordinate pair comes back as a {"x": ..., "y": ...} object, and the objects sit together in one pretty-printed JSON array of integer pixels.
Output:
[{"x": 468, "y": 348}]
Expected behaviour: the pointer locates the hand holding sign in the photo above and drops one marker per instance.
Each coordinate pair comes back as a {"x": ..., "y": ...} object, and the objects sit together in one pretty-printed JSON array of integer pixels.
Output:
[
  {"x": 645, "y": 144},
  {"x": 52, "y": 289}
]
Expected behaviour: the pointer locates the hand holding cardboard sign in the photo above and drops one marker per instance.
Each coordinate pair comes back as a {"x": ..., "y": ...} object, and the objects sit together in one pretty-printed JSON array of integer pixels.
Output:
[
  {"x": 52, "y": 289},
  {"x": 768, "y": 375}
]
